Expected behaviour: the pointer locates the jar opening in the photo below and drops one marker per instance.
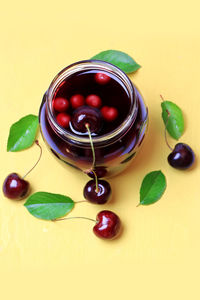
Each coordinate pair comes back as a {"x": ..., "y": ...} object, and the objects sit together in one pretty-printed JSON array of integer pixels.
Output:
[{"x": 89, "y": 65}]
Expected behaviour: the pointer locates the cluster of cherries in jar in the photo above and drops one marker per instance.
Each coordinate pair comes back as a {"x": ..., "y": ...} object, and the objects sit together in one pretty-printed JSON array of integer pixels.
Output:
[{"x": 84, "y": 110}]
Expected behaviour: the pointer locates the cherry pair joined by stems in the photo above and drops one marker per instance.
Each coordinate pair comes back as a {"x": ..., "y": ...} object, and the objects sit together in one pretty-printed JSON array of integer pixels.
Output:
[
  {"x": 98, "y": 191},
  {"x": 108, "y": 224},
  {"x": 14, "y": 186},
  {"x": 88, "y": 119}
]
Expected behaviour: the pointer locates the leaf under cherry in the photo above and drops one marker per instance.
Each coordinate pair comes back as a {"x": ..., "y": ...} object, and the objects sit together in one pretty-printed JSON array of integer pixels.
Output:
[{"x": 48, "y": 206}]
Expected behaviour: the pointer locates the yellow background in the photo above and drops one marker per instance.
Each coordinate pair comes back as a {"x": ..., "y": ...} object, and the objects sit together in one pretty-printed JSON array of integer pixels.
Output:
[{"x": 157, "y": 256}]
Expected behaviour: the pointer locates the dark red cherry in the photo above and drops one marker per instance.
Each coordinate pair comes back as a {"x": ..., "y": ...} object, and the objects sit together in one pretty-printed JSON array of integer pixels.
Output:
[
  {"x": 86, "y": 115},
  {"x": 102, "y": 78},
  {"x": 93, "y": 100},
  {"x": 182, "y": 157},
  {"x": 99, "y": 171},
  {"x": 63, "y": 119},
  {"x": 109, "y": 113},
  {"x": 60, "y": 104},
  {"x": 108, "y": 225},
  {"x": 15, "y": 187},
  {"x": 101, "y": 196},
  {"x": 77, "y": 100}
]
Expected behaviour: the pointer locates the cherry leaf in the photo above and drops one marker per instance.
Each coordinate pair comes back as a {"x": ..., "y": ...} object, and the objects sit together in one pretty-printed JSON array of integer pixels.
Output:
[
  {"x": 173, "y": 119},
  {"x": 152, "y": 188},
  {"x": 22, "y": 133},
  {"x": 119, "y": 59},
  {"x": 48, "y": 206}
]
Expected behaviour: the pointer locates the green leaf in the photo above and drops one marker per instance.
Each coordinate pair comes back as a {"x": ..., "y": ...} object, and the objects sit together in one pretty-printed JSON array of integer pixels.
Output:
[
  {"x": 48, "y": 206},
  {"x": 173, "y": 119},
  {"x": 119, "y": 59},
  {"x": 22, "y": 133},
  {"x": 152, "y": 188}
]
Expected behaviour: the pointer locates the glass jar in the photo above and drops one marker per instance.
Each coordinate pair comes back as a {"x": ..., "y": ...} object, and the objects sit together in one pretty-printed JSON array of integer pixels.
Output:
[{"x": 114, "y": 150}]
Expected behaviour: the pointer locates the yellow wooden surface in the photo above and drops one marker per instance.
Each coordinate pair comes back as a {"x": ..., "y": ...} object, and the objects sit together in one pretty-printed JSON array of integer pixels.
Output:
[{"x": 157, "y": 256}]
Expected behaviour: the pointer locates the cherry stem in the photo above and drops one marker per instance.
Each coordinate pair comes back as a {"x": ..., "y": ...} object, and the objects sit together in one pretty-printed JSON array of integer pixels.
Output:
[
  {"x": 69, "y": 218},
  {"x": 80, "y": 201},
  {"x": 92, "y": 145},
  {"x": 96, "y": 181},
  {"x": 93, "y": 155},
  {"x": 37, "y": 143},
  {"x": 168, "y": 115},
  {"x": 162, "y": 98}
]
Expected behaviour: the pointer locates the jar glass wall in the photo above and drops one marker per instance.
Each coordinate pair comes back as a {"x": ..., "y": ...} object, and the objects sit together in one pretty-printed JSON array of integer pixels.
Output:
[{"x": 114, "y": 150}]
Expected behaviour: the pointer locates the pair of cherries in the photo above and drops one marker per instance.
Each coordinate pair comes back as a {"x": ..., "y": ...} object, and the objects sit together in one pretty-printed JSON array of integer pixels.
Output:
[
  {"x": 99, "y": 191},
  {"x": 107, "y": 225}
]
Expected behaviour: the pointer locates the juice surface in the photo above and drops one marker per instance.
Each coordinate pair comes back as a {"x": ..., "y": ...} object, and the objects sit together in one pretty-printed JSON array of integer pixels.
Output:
[{"x": 112, "y": 94}]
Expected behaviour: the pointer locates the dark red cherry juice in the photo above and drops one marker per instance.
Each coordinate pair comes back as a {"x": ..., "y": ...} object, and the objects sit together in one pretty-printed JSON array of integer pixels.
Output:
[
  {"x": 111, "y": 93},
  {"x": 109, "y": 97}
]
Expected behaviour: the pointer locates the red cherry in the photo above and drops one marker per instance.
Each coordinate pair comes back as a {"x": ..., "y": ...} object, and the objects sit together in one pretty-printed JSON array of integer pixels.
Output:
[
  {"x": 101, "y": 196},
  {"x": 182, "y": 157},
  {"x": 63, "y": 119},
  {"x": 14, "y": 187},
  {"x": 102, "y": 78},
  {"x": 109, "y": 113},
  {"x": 108, "y": 225},
  {"x": 94, "y": 100},
  {"x": 86, "y": 115},
  {"x": 77, "y": 100},
  {"x": 60, "y": 104}
]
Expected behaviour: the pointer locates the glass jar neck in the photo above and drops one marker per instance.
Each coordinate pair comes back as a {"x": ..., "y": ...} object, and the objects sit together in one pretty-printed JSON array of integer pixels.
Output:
[{"x": 100, "y": 66}]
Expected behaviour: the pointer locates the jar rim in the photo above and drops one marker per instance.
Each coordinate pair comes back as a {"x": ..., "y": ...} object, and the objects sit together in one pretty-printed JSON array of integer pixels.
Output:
[{"x": 89, "y": 65}]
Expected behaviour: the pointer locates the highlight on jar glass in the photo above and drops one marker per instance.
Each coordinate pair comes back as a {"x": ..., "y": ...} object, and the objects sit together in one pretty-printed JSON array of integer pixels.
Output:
[{"x": 96, "y": 96}]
